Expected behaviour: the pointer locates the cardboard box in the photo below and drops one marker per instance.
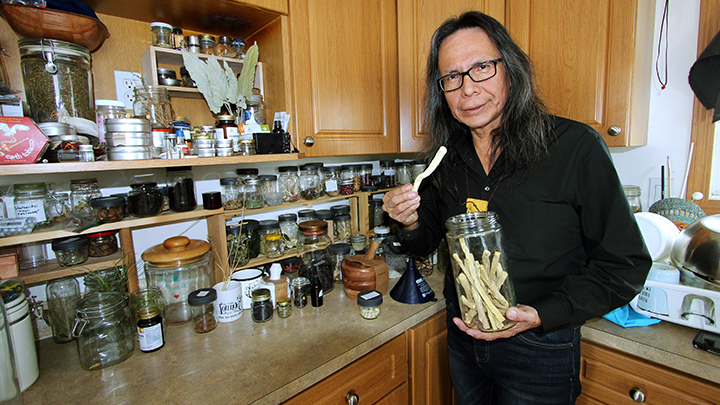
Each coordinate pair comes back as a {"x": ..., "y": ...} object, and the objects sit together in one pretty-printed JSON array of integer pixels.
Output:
[{"x": 21, "y": 141}]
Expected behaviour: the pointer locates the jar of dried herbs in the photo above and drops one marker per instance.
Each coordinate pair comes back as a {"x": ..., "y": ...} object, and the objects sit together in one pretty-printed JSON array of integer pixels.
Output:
[
  {"x": 102, "y": 244},
  {"x": 310, "y": 188},
  {"x": 237, "y": 246},
  {"x": 251, "y": 231},
  {"x": 342, "y": 228},
  {"x": 331, "y": 180},
  {"x": 81, "y": 192},
  {"x": 252, "y": 194},
  {"x": 267, "y": 227},
  {"x": 230, "y": 189},
  {"x": 71, "y": 251},
  {"x": 288, "y": 183},
  {"x": 339, "y": 252},
  {"x": 289, "y": 229},
  {"x": 108, "y": 209},
  {"x": 145, "y": 199}
]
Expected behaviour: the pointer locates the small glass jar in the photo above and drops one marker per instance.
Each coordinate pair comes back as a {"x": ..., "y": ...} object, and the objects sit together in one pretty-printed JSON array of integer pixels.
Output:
[
  {"x": 63, "y": 295},
  {"x": 358, "y": 242},
  {"x": 387, "y": 169},
  {"x": 247, "y": 173},
  {"x": 365, "y": 174},
  {"x": 224, "y": 47},
  {"x": 273, "y": 246},
  {"x": 102, "y": 244},
  {"x": 342, "y": 228},
  {"x": 151, "y": 336},
  {"x": 269, "y": 183},
  {"x": 378, "y": 213},
  {"x": 32, "y": 255},
  {"x": 230, "y": 190},
  {"x": 633, "y": 196},
  {"x": 108, "y": 209},
  {"x": 402, "y": 173},
  {"x": 192, "y": 43},
  {"x": 289, "y": 229},
  {"x": 300, "y": 288},
  {"x": 161, "y": 34},
  {"x": 178, "y": 38},
  {"x": 252, "y": 194},
  {"x": 86, "y": 153},
  {"x": 291, "y": 266},
  {"x": 262, "y": 306},
  {"x": 284, "y": 308},
  {"x": 145, "y": 200},
  {"x": 238, "y": 46},
  {"x": 256, "y": 107},
  {"x": 247, "y": 147},
  {"x": 369, "y": 302},
  {"x": 153, "y": 103},
  {"x": 31, "y": 200},
  {"x": 207, "y": 44},
  {"x": 103, "y": 327},
  {"x": 59, "y": 206},
  {"x": 306, "y": 215},
  {"x": 352, "y": 172},
  {"x": 71, "y": 251},
  {"x": 339, "y": 252},
  {"x": 81, "y": 192},
  {"x": 251, "y": 231},
  {"x": 181, "y": 188},
  {"x": 267, "y": 228},
  {"x": 415, "y": 169},
  {"x": 346, "y": 187},
  {"x": 237, "y": 246},
  {"x": 313, "y": 247},
  {"x": 107, "y": 109},
  {"x": 331, "y": 180},
  {"x": 309, "y": 183},
  {"x": 380, "y": 233},
  {"x": 288, "y": 183},
  {"x": 203, "y": 314}
]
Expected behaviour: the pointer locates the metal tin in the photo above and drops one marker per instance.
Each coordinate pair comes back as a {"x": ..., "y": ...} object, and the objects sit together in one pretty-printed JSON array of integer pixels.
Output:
[
  {"x": 169, "y": 82},
  {"x": 117, "y": 139},
  {"x": 207, "y": 152},
  {"x": 166, "y": 73},
  {"x": 56, "y": 128},
  {"x": 84, "y": 140},
  {"x": 129, "y": 153},
  {"x": 223, "y": 151},
  {"x": 127, "y": 125}
]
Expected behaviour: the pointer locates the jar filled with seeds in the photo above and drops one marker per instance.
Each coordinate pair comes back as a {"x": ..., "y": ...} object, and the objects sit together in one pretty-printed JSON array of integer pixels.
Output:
[
  {"x": 252, "y": 194},
  {"x": 230, "y": 190},
  {"x": 479, "y": 267},
  {"x": 108, "y": 209},
  {"x": 342, "y": 228},
  {"x": 71, "y": 251},
  {"x": 365, "y": 174},
  {"x": 289, "y": 229},
  {"x": 288, "y": 183},
  {"x": 102, "y": 244},
  {"x": 313, "y": 248},
  {"x": 309, "y": 183},
  {"x": 31, "y": 200},
  {"x": 331, "y": 180},
  {"x": 81, "y": 192},
  {"x": 369, "y": 302},
  {"x": 203, "y": 313},
  {"x": 352, "y": 172},
  {"x": 346, "y": 187}
]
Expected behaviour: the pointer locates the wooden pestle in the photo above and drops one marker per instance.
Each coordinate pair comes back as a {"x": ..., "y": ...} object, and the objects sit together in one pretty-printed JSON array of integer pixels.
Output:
[{"x": 370, "y": 254}]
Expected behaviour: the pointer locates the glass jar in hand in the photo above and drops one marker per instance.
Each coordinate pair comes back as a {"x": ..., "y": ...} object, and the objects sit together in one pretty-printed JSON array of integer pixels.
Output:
[
  {"x": 181, "y": 189},
  {"x": 313, "y": 247}
]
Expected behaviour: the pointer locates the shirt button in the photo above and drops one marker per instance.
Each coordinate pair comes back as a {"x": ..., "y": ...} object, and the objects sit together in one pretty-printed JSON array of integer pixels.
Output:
[{"x": 487, "y": 188}]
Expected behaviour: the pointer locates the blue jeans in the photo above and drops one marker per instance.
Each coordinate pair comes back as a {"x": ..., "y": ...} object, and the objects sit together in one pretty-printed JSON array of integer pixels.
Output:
[{"x": 525, "y": 369}]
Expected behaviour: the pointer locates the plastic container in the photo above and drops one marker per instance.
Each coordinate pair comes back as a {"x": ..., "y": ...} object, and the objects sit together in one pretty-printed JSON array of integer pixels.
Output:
[
  {"x": 181, "y": 188},
  {"x": 108, "y": 209},
  {"x": 145, "y": 200},
  {"x": 162, "y": 34},
  {"x": 71, "y": 251},
  {"x": 102, "y": 244},
  {"x": 289, "y": 183},
  {"x": 203, "y": 312},
  {"x": 369, "y": 302}
]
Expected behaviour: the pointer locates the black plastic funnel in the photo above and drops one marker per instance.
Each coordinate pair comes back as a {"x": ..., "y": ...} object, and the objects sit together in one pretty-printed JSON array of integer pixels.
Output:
[{"x": 412, "y": 287}]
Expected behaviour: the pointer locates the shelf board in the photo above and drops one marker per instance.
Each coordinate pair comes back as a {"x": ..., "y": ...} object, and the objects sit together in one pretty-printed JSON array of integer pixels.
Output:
[
  {"x": 300, "y": 202},
  {"x": 52, "y": 271},
  {"x": 73, "y": 167}
]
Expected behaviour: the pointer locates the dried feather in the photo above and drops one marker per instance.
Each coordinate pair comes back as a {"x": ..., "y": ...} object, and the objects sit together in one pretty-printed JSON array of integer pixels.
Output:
[{"x": 246, "y": 81}]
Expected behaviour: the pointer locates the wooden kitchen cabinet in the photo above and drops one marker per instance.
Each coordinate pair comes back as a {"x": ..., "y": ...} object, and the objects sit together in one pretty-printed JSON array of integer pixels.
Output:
[
  {"x": 429, "y": 368},
  {"x": 592, "y": 59},
  {"x": 610, "y": 377},
  {"x": 344, "y": 76}
]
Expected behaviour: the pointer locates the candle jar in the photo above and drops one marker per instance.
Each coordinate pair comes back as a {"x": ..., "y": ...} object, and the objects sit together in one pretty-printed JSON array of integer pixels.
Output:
[
  {"x": 288, "y": 183},
  {"x": 262, "y": 306}
]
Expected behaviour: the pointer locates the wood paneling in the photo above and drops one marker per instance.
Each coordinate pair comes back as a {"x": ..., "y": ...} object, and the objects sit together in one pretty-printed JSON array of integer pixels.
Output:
[{"x": 429, "y": 368}]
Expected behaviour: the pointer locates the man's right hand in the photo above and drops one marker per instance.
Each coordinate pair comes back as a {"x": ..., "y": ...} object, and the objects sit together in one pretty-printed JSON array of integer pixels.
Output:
[{"x": 401, "y": 204}]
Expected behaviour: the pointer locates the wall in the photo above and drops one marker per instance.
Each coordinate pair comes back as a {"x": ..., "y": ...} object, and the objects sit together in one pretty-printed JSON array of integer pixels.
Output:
[{"x": 670, "y": 109}]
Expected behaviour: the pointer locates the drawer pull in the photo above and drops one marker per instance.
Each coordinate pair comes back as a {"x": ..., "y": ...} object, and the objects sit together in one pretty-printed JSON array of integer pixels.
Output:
[
  {"x": 637, "y": 395},
  {"x": 309, "y": 141},
  {"x": 352, "y": 399},
  {"x": 614, "y": 130}
]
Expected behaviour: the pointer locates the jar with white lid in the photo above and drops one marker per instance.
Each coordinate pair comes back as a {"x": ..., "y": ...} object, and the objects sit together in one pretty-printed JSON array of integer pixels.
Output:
[{"x": 161, "y": 34}]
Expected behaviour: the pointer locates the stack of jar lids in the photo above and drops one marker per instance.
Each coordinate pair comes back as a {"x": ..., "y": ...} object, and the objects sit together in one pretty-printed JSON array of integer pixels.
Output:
[
  {"x": 205, "y": 144},
  {"x": 128, "y": 138}
]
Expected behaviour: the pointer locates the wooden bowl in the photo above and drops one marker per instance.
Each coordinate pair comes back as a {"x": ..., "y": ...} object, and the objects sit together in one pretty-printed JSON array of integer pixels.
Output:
[{"x": 35, "y": 22}]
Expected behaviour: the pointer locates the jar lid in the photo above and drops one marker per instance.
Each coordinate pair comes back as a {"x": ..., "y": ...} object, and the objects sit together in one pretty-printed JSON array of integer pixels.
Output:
[
  {"x": 369, "y": 188},
  {"x": 351, "y": 167},
  {"x": 366, "y": 166},
  {"x": 332, "y": 168},
  {"x": 177, "y": 30},
  {"x": 268, "y": 177},
  {"x": 342, "y": 217},
  {"x": 238, "y": 40},
  {"x": 358, "y": 237},
  {"x": 287, "y": 218},
  {"x": 369, "y": 298},
  {"x": 306, "y": 213},
  {"x": 318, "y": 165},
  {"x": 250, "y": 225},
  {"x": 308, "y": 168},
  {"x": 143, "y": 185},
  {"x": 206, "y": 37},
  {"x": 192, "y": 40},
  {"x": 313, "y": 226},
  {"x": 324, "y": 214},
  {"x": 83, "y": 181},
  {"x": 387, "y": 162},
  {"x": 163, "y": 71},
  {"x": 346, "y": 182},
  {"x": 174, "y": 250},
  {"x": 283, "y": 302},
  {"x": 340, "y": 209},
  {"x": 232, "y": 229},
  {"x": 102, "y": 202},
  {"x": 178, "y": 168},
  {"x": 285, "y": 169},
  {"x": 85, "y": 148},
  {"x": 73, "y": 242},
  {"x": 161, "y": 25},
  {"x": 56, "y": 46},
  {"x": 202, "y": 296},
  {"x": 253, "y": 182},
  {"x": 57, "y": 128},
  {"x": 30, "y": 186},
  {"x": 100, "y": 234},
  {"x": 269, "y": 224},
  {"x": 299, "y": 282},
  {"x": 631, "y": 191},
  {"x": 224, "y": 40},
  {"x": 340, "y": 248},
  {"x": 261, "y": 294},
  {"x": 229, "y": 181},
  {"x": 226, "y": 118},
  {"x": 273, "y": 237},
  {"x": 247, "y": 171},
  {"x": 381, "y": 230},
  {"x": 148, "y": 312}
]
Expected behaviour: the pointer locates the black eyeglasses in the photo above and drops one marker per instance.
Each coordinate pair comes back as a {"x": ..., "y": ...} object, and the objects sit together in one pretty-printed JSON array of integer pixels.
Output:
[{"x": 478, "y": 73}]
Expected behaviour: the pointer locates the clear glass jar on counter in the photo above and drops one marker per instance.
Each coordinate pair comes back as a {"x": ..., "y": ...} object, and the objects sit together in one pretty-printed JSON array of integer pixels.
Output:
[
  {"x": 224, "y": 47},
  {"x": 369, "y": 302},
  {"x": 108, "y": 209},
  {"x": 268, "y": 227},
  {"x": 402, "y": 171},
  {"x": 339, "y": 251},
  {"x": 262, "y": 306},
  {"x": 300, "y": 289},
  {"x": 63, "y": 295},
  {"x": 252, "y": 194},
  {"x": 387, "y": 169},
  {"x": 102, "y": 244},
  {"x": 230, "y": 190},
  {"x": 203, "y": 313},
  {"x": 331, "y": 180},
  {"x": 633, "y": 196},
  {"x": 207, "y": 44},
  {"x": 289, "y": 183},
  {"x": 284, "y": 307},
  {"x": 289, "y": 229},
  {"x": 476, "y": 238},
  {"x": 71, "y": 251},
  {"x": 181, "y": 188},
  {"x": 352, "y": 172},
  {"x": 145, "y": 200},
  {"x": 365, "y": 174},
  {"x": 342, "y": 227},
  {"x": 313, "y": 248},
  {"x": 81, "y": 192},
  {"x": 103, "y": 328},
  {"x": 161, "y": 34},
  {"x": 309, "y": 183},
  {"x": 31, "y": 200},
  {"x": 247, "y": 147},
  {"x": 306, "y": 215},
  {"x": 153, "y": 104}
]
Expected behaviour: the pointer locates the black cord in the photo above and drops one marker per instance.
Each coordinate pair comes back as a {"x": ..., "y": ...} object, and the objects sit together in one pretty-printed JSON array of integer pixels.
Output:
[{"x": 663, "y": 24}]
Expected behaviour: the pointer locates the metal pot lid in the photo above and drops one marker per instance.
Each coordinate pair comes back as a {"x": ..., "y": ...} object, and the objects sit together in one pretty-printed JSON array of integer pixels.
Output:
[{"x": 176, "y": 249}]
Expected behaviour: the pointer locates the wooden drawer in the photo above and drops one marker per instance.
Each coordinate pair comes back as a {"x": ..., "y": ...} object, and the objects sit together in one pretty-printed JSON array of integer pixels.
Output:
[
  {"x": 608, "y": 376},
  {"x": 371, "y": 377}
]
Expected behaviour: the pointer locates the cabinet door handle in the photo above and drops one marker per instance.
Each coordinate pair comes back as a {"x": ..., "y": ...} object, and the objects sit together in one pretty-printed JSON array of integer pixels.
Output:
[
  {"x": 351, "y": 398},
  {"x": 309, "y": 141},
  {"x": 614, "y": 130},
  {"x": 637, "y": 395}
]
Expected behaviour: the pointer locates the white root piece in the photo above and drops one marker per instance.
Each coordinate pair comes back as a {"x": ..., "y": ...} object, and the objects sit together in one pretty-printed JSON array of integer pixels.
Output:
[{"x": 439, "y": 155}]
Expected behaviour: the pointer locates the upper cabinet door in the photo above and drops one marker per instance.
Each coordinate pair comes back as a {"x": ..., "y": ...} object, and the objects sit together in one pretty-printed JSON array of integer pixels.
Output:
[
  {"x": 344, "y": 70},
  {"x": 417, "y": 21},
  {"x": 593, "y": 60}
]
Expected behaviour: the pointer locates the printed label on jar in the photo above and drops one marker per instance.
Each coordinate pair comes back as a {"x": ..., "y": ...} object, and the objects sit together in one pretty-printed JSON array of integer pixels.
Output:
[
  {"x": 331, "y": 185},
  {"x": 151, "y": 337},
  {"x": 219, "y": 133},
  {"x": 31, "y": 209}
]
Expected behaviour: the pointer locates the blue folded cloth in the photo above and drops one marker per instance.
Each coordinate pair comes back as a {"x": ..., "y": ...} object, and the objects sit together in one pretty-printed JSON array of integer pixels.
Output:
[{"x": 627, "y": 317}]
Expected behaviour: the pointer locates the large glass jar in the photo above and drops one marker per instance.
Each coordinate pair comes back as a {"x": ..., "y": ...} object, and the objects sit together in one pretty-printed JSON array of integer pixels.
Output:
[
  {"x": 387, "y": 170},
  {"x": 31, "y": 200},
  {"x": 480, "y": 270},
  {"x": 181, "y": 189},
  {"x": 313, "y": 248},
  {"x": 63, "y": 295},
  {"x": 81, "y": 192},
  {"x": 57, "y": 75},
  {"x": 366, "y": 174},
  {"x": 252, "y": 194},
  {"x": 178, "y": 266},
  {"x": 309, "y": 183},
  {"x": 288, "y": 183},
  {"x": 153, "y": 103},
  {"x": 145, "y": 199},
  {"x": 289, "y": 229},
  {"x": 103, "y": 327},
  {"x": 256, "y": 107}
]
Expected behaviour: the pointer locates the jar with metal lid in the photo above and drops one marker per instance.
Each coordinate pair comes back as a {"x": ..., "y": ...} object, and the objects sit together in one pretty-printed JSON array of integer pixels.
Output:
[
  {"x": 162, "y": 34},
  {"x": 262, "y": 306},
  {"x": 31, "y": 200},
  {"x": 203, "y": 309},
  {"x": 226, "y": 128},
  {"x": 475, "y": 239},
  {"x": 633, "y": 196},
  {"x": 266, "y": 228},
  {"x": 346, "y": 187},
  {"x": 331, "y": 177},
  {"x": 300, "y": 288},
  {"x": 306, "y": 215},
  {"x": 369, "y": 302},
  {"x": 284, "y": 307},
  {"x": 358, "y": 243},
  {"x": 269, "y": 183},
  {"x": 63, "y": 295},
  {"x": 289, "y": 183},
  {"x": 207, "y": 44},
  {"x": 387, "y": 169},
  {"x": 340, "y": 209},
  {"x": 342, "y": 227},
  {"x": 102, "y": 244},
  {"x": 57, "y": 76},
  {"x": 103, "y": 330},
  {"x": 365, "y": 174},
  {"x": 313, "y": 247},
  {"x": 251, "y": 231},
  {"x": 71, "y": 251},
  {"x": 151, "y": 336},
  {"x": 380, "y": 233},
  {"x": 230, "y": 190},
  {"x": 178, "y": 39},
  {"x": 273, "y": 246},
  {"x": 339, "y": 252},
  {"x": 252, "y": 194},
  {"x": 145, "y": 199},
  {"x": 238, "y": 46},
  {"x": 415, "y": 169},
  {"x": 81, "y": 192},
  {"x": 309, "y": 183},
  {"x": 256, "y": 108},
  {"x": 352, "y": 172},
  {"x": 192, "y": 43},
  {"x": 247, "y": 147},
  {"x": 402, "y": 173},
  {"x": 108, "y": 209},
  {"x": 224, "y": 47},
  {"x": 378, "y": 214},
  {"x": 181, "y": 188},
  {"x": 289, "y": 229},
  {"x": 153, "y": 104},
  {"x": 178, "y": 266}
]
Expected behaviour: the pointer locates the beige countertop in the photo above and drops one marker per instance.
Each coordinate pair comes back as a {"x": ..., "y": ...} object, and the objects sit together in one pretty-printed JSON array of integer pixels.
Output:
[{"x": 248, "y": 363}]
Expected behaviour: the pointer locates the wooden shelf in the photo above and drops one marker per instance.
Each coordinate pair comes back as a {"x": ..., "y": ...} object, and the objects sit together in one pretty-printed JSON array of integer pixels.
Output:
[
  {"x": 74, "y": 167},
  {"x": 52, "y": 270}
]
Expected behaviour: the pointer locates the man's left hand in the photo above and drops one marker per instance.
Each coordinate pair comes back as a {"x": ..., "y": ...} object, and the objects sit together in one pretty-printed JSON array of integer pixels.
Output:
[{"x": 525, "y": 316}]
